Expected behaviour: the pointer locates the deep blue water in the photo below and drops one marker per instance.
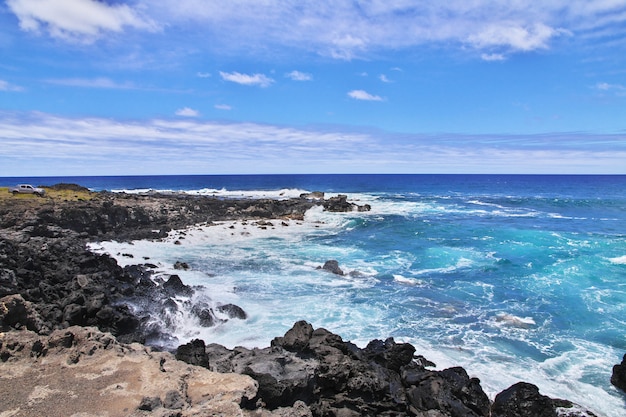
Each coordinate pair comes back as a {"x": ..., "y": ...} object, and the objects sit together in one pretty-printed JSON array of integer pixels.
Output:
[
  {"x": 515, "y": 277},
  {"x": 532, "y": 185}
]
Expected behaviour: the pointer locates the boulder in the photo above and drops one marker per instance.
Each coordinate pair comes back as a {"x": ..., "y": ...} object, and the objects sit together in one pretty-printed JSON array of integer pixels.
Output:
[
  {"x": 332, "y": 266},
  {"x": 315, "y": 195},
  {"x": 193, "y": 353},
  {"x": 232, "y": 311},
  {"x": 618, "y": 377},
  {"x": 174, "y": 286},
  {"x": 181, "y": 265},
  {"x": 17, "y": 312},
  {"x": 205, "y": 315},
  {"x": 523, "y": 400},
  {"x": 297, "y": 338},
  {"x": 340, "y": 204}
]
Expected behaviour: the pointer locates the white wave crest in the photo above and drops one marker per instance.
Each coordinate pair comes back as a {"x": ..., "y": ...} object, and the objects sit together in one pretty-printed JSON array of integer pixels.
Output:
[
  {"x": 515, "y": 321},
  {"x": 620, "y": 260}
]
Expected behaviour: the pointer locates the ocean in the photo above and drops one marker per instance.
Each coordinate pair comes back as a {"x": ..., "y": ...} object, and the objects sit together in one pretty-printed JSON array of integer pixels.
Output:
[{"x": 513, "y": 277}]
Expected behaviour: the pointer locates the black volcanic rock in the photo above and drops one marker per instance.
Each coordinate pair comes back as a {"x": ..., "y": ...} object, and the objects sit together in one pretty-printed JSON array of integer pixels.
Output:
[
  {"x": 174, "y": 286},
  {"x": 336, "y": 378},
  {"x": 523, "y": 400},
  {"x": 340, "y": 204},
  {"x": 618, "y": 377},
  {"x": 332, "y": 266},
  {"x": 193, "y": 353},
  {"x": 232, "y": 311}
]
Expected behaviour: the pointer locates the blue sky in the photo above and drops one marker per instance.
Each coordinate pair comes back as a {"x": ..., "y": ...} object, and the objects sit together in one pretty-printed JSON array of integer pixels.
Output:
[{"x": 242, "y": 87}]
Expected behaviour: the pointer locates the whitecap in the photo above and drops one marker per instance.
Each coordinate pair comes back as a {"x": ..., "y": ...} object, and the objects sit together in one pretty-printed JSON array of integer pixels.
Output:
[
  {"x": 515, "y": 321},
  {"x": 280, "y": 194},
  {"x": 620, "y": 260},
  {"x": 408, "y": 281}
]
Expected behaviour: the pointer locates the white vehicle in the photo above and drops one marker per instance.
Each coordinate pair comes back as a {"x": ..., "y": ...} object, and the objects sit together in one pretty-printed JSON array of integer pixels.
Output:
[{"x": 27, "y": 189}]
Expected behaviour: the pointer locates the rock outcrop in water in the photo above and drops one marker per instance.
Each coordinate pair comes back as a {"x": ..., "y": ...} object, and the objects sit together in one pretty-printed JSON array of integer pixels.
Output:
[
  {"x": 50, "y": 283},
  {"x": 618, "y": 377}
]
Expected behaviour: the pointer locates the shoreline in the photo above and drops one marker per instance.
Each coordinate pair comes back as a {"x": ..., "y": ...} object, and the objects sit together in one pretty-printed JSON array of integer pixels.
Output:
[{"x": 48, "y": 239}]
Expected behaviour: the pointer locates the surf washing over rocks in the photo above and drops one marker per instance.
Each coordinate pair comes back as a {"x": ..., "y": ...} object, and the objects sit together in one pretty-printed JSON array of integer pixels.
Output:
[{"x": 512, "y": 277}]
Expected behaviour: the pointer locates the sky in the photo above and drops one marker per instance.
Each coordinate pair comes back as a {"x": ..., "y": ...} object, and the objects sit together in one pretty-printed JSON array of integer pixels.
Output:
[{"x": 151, "y": 87}]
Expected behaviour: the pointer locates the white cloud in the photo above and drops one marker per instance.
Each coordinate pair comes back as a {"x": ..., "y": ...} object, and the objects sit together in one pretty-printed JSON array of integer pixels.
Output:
[
  {"x": 383, "y": 78},
  {"x": 6, "y": 86},
  {"x": 344, "y": 30},
  {"x": 223, "y": 107},
  {"x": 204, "y": 74},
  {"x": 493, "y": 57},
  {"x": 255, "y": 79},
  {"x": 78, "y": 20},
  {"x": 348, "y": 30},
  {"x": 363, "y": 95},
  {"x": 299, "y": 76},
  {"x": 618, "y": 90},
  {"x": 100, "y": 82},
  {"x": 513, "y": 35},
  {"x": 607, "y": 87},
  {"x": 54, "y": 145},
  {"x": 187, "y": 112}
]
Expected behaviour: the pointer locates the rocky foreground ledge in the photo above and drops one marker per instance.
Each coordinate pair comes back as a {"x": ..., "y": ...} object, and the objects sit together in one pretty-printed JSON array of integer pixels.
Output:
[{"x": 69, "y": 340}]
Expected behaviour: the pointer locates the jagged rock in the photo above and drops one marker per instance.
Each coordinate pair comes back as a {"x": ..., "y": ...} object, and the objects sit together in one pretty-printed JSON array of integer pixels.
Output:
[
  {"x": 205, "y": 315},
  {"x": 181, "y": 265},
  {"x": 618, "y": 377},
  {"x": 233, "y": 311},
  {"x": 340, "y": 204},
  {"x": 193, "y": 353},
  {"x": 297, "y": 338},
  {"x": 336, "y": 377},
  {"x": 333, "y": 377},
  {"x": 74, "y": 314},
  {"x": 15, "y": 311},
  {"x": 174, "y": 286},
  {"x": 332, "y": 266},
  {"x": 315, "y": 195},
  {"x": 523, "y": 400}
]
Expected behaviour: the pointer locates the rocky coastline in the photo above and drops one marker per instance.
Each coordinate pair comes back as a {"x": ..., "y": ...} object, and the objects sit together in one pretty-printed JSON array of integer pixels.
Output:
[{"x": 61, "y": 303}]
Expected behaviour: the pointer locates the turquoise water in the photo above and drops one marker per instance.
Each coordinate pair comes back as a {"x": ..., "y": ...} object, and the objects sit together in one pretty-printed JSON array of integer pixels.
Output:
[{"x": 513, "y": 277}]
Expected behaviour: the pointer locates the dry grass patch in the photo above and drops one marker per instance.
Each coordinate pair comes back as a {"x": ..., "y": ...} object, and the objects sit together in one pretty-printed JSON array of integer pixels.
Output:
[{"x": 51, "y": 194}]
